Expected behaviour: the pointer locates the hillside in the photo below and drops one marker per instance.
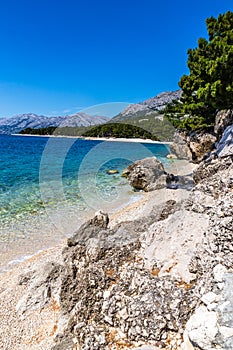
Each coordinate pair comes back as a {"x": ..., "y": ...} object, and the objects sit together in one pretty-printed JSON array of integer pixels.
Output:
[
  {"x": 20, "y": 122},
  {"x": 145, "y": 115},
  {"x": 154, "y": 123},
  {"x": 148, "y": 115}
]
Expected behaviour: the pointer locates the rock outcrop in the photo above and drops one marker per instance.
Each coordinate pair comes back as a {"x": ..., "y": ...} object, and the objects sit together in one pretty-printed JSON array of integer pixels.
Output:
[
  {"x": 200, "y": 144},
  {"x": 110, "y": 298},
  {"x": 192, "y": 147}
]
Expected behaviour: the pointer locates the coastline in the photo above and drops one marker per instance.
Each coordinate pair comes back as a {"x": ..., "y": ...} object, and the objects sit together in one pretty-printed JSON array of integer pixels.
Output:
[
  {"x": 32, "y": 235},
  {"x": 13, "y": 254},
  {"x": 36, "y": 329},
  {"x": 166, "y": 255},
  {"x": 131, "y": 210},
  {"x": 111, "y": 139},
  {"x": 29, "y": 247}
]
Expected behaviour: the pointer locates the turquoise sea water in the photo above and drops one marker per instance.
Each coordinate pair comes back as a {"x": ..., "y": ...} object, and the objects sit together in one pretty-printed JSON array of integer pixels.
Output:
[{"x": 49, "y": 185}]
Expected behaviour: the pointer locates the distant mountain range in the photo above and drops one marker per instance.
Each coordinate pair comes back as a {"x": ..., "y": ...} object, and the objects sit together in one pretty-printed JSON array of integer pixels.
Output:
[
  {"x": 142, "y": 109},
  {"x": 20, "y": 122},
  {"x": 138, "y": 110}
]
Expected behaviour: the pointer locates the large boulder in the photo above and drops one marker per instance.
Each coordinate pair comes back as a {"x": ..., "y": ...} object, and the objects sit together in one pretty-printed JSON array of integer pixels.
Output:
[{"x": 146, "y": 174}]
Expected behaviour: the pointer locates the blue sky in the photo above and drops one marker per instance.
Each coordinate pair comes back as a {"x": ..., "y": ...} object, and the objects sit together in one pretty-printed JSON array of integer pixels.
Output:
[{"x": 60, "y": 56}]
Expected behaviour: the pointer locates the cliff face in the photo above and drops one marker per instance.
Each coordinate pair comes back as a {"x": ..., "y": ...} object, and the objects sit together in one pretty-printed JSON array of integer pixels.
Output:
[{"x": 164, "y": 279}]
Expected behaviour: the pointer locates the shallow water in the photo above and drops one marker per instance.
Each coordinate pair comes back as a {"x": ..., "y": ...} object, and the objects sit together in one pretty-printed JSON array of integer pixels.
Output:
[{"x": 48, "y": 186}]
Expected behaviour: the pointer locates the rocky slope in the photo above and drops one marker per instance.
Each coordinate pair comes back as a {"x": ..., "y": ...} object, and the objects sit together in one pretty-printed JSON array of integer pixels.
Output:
[
  {"x": 23, "y": 121},
  {"x": 196, "y": 146},
  {"x": 157, "y": 103},
  {"x": 211, "y": 326},
  {"x": 162, "y": 280}
]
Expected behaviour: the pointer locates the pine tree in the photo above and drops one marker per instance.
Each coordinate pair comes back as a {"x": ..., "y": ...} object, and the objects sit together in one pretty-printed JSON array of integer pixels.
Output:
[{"x": 209, "y": 86}]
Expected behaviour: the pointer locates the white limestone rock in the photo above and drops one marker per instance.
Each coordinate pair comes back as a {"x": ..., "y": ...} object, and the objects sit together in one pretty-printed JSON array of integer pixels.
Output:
[
  {"x": 219, "y": 272},
  {"x": 202, "y": 328},
  {"x": 209, "y": 298}
]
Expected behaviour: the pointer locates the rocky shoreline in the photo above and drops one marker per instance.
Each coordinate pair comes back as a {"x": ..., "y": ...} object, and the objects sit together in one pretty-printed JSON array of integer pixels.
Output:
[{"x": 158, "y": 276}]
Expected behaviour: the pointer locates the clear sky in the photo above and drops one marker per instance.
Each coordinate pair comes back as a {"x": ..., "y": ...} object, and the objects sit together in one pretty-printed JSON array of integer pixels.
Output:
[{"x": 59, "y": 56}]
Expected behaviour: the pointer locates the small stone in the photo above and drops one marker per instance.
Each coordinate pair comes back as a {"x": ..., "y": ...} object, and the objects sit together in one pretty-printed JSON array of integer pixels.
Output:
[
  {"x": 221, "y": 285},
  {"x": 112, "y": 172},
  {"x": 123, "y": 314},
  {"x": 219, "y": 272},
  {"x": 179, "y": 341},
  {"x": 145, "y": 333},
  {"x": 173, "y": 343},
  {"x": 224, "y": 306},
  {"x": 171, "y": 156},
  {"x": 226, "y": 332},
  {"x": 187, "y": 344},
  {"x": 108, "y": 320},
  {"x": 79, "y": 325},
  {"x": 146, "y": 347},
  {"x": 208, "y": 298},
  {"x": 164, "y": 335},
  {"x": 212, "y": 307},
  {"x": 106, "y": 294},
  {"x": 202, "y": 327}
]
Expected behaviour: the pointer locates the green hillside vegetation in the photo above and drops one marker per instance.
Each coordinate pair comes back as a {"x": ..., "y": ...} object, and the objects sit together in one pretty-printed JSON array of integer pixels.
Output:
[
  {"x": 72, "y": 130},
  {"x": 53, "y": 130},
  {"x": 209, "y": 85},
  {"x": 41, "y": 131},
  {"x": 154, "y": 123},
  {"x": 119, "y": 130}
]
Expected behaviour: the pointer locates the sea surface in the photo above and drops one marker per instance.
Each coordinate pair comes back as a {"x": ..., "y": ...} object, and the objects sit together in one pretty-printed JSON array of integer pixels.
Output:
[{"x": 49, "y": 186}]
